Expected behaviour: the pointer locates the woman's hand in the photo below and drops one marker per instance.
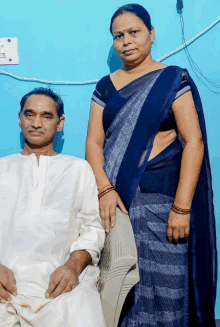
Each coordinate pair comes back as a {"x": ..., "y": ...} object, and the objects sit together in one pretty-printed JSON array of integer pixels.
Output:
[
  {"x": 107, "y": 207},
  {"x": 178, "y": 226}
]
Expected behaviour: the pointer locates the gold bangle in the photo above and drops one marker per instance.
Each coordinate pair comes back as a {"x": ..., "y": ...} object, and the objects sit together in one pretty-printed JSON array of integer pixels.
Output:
[{"x": 107, "y": 191}]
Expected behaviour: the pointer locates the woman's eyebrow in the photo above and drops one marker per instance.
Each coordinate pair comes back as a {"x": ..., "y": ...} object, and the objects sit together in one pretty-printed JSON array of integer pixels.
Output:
[{"x": 127, "y": 29}]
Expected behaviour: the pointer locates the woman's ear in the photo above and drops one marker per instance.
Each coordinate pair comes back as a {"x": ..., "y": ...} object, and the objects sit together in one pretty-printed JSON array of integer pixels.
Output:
[{"x": 152, "y": 35}]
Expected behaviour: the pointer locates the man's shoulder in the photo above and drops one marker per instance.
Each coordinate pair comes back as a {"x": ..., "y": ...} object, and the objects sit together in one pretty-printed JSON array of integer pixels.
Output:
[
  {"x": 10, "y": 158},
  {"x": 75, "y": 161}
]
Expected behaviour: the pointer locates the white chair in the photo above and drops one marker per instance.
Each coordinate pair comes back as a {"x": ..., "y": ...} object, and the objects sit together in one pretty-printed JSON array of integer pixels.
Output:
[{"x": 118, "y": 268}]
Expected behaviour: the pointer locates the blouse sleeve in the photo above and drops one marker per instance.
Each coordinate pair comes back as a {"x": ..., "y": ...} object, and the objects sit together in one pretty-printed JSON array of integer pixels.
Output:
[
  {"x": 103, "y": 91},
  {"x": 184, "y": 86}
]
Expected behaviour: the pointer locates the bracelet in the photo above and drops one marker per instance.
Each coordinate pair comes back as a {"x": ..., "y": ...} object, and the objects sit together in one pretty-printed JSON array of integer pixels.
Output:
[
  {"x": 103, "y": 187},
  {"x": 105, "y": 192},
  {"x": 180, "y": 210}
]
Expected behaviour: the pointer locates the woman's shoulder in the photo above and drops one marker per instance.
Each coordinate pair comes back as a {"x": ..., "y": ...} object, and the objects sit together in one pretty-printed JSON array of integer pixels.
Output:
[{"x": 103, "y": 90}]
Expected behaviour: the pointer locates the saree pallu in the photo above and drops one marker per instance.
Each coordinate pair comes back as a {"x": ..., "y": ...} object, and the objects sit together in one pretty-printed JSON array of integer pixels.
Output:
[{"x": 177, "y": 282}]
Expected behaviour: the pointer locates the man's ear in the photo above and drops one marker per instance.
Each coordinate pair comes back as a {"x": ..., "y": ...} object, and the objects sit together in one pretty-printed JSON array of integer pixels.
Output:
[
  {"x": 19, "y": 119},
  {"x": 60, "y": 124}
]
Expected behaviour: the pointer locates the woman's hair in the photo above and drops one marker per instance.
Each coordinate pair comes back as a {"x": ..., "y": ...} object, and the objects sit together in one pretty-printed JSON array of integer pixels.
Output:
[
  {"x": 47, "y": 92},
  {"x": 135, "y": 9}
]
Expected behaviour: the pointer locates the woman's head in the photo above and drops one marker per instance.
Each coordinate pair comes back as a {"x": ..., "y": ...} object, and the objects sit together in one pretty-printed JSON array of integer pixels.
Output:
[
  {"x": 132, "y": 32},
  {"x": 136, "y": 10}
]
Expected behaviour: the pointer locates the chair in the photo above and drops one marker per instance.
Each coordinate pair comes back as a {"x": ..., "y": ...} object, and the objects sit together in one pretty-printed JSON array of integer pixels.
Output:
[{"x": 118, "y": 268}]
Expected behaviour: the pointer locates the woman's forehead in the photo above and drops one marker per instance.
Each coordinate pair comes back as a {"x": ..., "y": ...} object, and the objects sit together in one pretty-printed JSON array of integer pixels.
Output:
[{"x": 125, "y": 21}]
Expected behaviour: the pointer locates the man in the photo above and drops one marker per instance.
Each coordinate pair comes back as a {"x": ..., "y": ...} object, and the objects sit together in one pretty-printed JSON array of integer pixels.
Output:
[{"x": 51, "y": 234}]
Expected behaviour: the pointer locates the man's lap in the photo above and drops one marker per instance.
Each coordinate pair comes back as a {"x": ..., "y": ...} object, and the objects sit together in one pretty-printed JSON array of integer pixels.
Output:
[{"x": 80, "y": 307}]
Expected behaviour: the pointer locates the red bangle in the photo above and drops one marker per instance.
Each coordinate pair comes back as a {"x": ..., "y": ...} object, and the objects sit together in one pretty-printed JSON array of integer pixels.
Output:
[{"x": 106, "y": 191}]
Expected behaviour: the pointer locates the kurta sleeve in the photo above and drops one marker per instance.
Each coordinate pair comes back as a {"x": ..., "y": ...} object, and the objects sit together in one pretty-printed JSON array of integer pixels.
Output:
[{"x": 91, "y": 233}]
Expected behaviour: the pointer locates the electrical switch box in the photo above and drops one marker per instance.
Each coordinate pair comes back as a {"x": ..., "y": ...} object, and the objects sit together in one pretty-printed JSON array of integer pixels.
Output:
[{"x": 9, "y": 51}]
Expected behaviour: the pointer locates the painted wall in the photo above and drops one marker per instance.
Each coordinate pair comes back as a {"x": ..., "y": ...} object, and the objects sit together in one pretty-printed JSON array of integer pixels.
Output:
[{"x": 70, "y": 40}]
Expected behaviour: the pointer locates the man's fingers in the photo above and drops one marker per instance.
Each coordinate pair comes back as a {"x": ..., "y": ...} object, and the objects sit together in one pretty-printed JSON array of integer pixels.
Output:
[
  {"x": 4, "y": 295},
  {"x": 122, "y": 207},
  {"x": 68, "y": 288},
  {"x": 54, "y": 281},
  {"x": 60, "y": 288}
]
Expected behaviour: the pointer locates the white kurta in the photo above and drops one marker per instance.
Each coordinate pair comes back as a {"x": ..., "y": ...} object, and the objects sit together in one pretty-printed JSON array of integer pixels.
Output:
[{"x": 48, "y": 210}]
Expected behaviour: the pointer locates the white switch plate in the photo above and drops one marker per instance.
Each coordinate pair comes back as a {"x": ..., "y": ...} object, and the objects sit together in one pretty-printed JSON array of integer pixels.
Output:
[{"x": 9, "y": 51}]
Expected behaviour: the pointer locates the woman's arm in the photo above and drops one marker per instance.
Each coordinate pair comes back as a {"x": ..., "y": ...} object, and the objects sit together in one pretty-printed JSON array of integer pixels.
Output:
[
  {"x": 94, "y": 155},
  {"x": 188, "y": 126}
]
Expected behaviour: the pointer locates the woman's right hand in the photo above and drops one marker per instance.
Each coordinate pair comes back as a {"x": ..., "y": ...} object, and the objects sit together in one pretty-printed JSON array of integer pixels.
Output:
[{"x": 107, "y": 206}]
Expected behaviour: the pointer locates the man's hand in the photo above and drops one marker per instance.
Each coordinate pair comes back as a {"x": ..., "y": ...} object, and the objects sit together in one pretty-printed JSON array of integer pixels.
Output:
[
  {"x": 62, "y": 280},
  {"x": 7, "y": 284}
]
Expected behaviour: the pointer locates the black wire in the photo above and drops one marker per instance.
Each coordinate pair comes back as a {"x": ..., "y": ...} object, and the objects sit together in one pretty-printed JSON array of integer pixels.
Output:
[{"x": 194, "y": 65}]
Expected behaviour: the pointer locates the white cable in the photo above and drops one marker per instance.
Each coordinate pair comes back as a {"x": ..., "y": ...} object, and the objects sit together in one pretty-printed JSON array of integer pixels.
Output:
[{"x": 31, "y": 79}]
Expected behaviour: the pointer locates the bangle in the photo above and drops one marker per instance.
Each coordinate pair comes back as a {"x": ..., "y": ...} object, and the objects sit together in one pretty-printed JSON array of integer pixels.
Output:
[
  {"x": 180, "y": 210},
  {"x": 106, "y": 191},
  {"x": 103, "y": 192},
  {"x": 103, "y": 187}
]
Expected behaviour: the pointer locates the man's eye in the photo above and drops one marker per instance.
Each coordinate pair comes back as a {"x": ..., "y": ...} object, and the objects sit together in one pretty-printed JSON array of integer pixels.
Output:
[
  {"x": 134, "y": 32},
  {"x": 28, "y": 114},
  {"x": 48, "y": 116}
]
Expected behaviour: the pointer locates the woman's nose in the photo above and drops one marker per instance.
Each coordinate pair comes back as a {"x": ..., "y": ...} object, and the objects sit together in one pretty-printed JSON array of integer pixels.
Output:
[{"x": 127, "y": 39}]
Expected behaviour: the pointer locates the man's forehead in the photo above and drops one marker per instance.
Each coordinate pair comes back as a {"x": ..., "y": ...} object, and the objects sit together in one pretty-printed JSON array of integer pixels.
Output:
[{"x": 40, "y": 101}]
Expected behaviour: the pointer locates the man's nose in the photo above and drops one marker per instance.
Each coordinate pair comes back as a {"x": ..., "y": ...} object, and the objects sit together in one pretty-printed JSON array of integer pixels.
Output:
[{"x": 37, "y": 122}]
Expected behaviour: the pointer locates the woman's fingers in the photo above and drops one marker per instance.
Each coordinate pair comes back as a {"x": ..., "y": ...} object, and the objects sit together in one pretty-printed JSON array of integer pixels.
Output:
[
  {"x": 186, "y": 231},
  {"x": 113, "y": 215},
  {"x": 121, "y": 206},
  {"x": 182, "y": 232},
  {"x": 169, "y": 233}
]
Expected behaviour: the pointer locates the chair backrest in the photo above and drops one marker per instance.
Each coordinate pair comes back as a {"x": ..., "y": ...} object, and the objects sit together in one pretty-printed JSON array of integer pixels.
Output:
[{"x": 118, "y": 268}]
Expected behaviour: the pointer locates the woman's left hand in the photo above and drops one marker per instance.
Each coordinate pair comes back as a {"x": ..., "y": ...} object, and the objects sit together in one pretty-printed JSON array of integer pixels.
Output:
[{"x": 178, "y": 226}]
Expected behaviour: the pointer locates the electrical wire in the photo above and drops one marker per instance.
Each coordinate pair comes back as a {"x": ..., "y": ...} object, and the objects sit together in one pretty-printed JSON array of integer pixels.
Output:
[
  {"x": 197, "y": 71},
  {"x": 184, "y": 46}
]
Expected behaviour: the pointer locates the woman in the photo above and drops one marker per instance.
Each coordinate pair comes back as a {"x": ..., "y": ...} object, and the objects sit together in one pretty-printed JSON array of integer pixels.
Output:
[{"x": 148, "y": 118}]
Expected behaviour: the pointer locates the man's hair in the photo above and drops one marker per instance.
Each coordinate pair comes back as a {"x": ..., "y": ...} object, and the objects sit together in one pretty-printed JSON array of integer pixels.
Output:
[{"x": 47, "y": 92}]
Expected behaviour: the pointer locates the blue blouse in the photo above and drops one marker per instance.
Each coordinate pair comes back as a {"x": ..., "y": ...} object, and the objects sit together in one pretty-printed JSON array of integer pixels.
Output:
[{"x": 105, "y": 88}]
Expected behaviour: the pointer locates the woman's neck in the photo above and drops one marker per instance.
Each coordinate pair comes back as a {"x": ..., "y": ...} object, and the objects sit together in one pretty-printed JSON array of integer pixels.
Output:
[{"x": 146, "y": 65}]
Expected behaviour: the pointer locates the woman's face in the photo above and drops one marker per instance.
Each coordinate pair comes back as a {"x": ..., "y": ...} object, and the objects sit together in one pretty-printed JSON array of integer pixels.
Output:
[{"x": 132, "y": 40}]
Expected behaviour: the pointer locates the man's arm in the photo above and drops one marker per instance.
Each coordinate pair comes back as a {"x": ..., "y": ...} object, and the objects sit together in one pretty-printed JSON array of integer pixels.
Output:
[{"x": 87, "y": 248}]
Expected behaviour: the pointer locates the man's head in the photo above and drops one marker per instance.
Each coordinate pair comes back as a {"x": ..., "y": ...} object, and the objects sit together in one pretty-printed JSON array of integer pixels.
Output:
[{"x": 41, "y": 116}]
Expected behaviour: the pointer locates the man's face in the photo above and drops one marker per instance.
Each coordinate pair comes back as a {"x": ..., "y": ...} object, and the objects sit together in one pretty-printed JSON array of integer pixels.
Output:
[{"x": 39, "y": 120}]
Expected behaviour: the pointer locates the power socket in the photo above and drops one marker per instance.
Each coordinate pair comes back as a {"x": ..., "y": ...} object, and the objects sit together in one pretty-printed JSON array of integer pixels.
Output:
[{"x": 9, "y": 51}]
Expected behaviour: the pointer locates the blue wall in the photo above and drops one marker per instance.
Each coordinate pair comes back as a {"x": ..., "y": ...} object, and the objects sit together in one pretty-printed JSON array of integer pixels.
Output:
[{"x": 70, "y": 40}]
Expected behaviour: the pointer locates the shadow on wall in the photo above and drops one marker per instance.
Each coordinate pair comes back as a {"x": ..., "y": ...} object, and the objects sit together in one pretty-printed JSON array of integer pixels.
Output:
[
  {"x": 58, "y": 141},
  {"x": 113, "y": 61}
]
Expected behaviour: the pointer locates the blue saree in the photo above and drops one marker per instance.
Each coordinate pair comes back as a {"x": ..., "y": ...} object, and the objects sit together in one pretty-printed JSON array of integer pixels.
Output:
[{"x": 177, "y": 282}]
